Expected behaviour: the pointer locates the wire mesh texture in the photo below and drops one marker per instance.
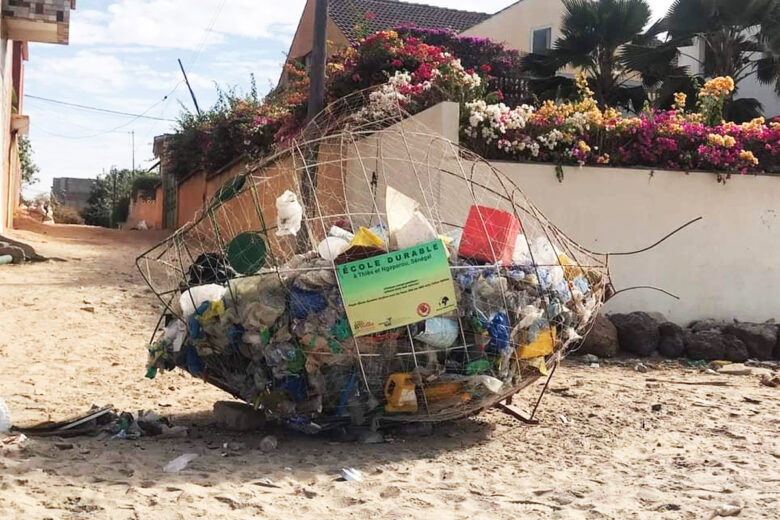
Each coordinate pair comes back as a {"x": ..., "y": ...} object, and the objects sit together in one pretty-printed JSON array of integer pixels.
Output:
[{"x": 255, "y": 305}]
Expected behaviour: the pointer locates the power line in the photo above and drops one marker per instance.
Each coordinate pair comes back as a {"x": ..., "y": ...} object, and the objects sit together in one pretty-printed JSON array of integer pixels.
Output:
[{"x": 98, "y": 109}]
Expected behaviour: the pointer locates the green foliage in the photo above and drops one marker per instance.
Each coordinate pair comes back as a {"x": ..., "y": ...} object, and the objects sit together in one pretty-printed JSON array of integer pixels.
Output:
[
  {"x": 217, "y": 136},
  {"x": 593, "y": 34},
  {"x": 66, "y": 215},
  {"x": 144, "y": 183},
  {"x": 29, "y": 168},
  {"x": 109, "y": 201},
  {"x": 740, "y": 39}
]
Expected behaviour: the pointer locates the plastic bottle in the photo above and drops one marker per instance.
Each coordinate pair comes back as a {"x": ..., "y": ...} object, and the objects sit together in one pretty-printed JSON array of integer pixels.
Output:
[{"x": 5, "y": 417}]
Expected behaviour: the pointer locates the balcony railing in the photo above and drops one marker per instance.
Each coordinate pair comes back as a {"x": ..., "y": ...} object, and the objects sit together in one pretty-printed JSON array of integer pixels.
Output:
[{"x": 46, "y": 21}]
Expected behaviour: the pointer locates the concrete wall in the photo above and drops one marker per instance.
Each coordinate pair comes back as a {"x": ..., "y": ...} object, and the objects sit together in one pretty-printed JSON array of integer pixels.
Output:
[
  {"x": 515, "y": 24},
  {"x": 722, "y": 267}
]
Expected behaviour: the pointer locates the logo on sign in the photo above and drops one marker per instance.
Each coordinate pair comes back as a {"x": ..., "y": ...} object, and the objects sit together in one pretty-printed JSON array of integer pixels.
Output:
[{"x": 423, "y": 309}]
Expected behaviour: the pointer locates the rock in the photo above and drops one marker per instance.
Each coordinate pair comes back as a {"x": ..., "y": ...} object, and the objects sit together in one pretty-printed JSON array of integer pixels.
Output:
[
  {"x": 639, "y": 367},
  {"x": 88, "y": 308},
  {"x": 269, "y": 443},
  {"x": 736, "y": 350},
  {"x": 369, "y": 437},
  {"x": 736, "y": 369},
  {"x": 707, "y": 344},
  {"x": 602, "y": 340},
  {"x": 656, "y": 407},
  {"x": 703, "y": 325},
  {"x": 713, "y": 344},
  {"x": 63, "y": 445},
  {"x": 637, "y": 332},
  {"x": 771, "y": 382},
  {"x": 671, "y": 342},
  {"x": 590, "y": 358},
  {"x": 658, "y": 317},
  {"x": 236, "y": 416},
  {"x": 759, "y": 338}
]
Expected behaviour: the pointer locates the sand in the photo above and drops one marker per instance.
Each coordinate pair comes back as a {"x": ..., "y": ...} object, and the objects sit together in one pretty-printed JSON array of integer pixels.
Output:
[{"x": 599, "y": 450}]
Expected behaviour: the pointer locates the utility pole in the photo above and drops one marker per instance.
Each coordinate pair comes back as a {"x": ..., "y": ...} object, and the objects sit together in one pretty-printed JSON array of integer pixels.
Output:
[
  {"x": 316, "y": 105},
  {"x": 133, "y": 136},
  {"x": 112, "y": 173},
  {"x": 187, "y": 81},
  {"x": 317, "y": 68}
]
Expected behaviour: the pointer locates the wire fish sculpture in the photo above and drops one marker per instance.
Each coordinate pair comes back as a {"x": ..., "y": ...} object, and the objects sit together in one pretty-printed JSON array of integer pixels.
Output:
[{"x": 370, "y": 272}]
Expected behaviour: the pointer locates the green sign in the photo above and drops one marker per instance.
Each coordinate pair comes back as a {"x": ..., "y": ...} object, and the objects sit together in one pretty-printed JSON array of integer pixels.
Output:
[{"x": 397, "y": 288}]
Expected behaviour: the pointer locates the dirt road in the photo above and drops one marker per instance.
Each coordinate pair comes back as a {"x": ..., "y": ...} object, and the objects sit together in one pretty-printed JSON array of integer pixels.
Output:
[{"x": 73, "y": 333}]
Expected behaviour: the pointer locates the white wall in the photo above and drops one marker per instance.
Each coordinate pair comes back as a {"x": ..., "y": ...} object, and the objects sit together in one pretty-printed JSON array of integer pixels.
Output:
[
  {"x": 724, "y": 266},
  {"x": 514, "y": 24}
]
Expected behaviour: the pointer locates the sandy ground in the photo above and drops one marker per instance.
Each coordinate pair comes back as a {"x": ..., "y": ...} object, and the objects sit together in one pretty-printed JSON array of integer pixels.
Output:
[{"x": 600, "y": 451}]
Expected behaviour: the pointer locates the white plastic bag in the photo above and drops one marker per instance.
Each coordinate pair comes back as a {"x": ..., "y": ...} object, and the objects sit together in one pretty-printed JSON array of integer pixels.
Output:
[
  {"x": 407, "y": 226},
  {"x": 330, "y": 248},
  {"x": 191, "y": 299},
  {"x": 289, "y": 214}
]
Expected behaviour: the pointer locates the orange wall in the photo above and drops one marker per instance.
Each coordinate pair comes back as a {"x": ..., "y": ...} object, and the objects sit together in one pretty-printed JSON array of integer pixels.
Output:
[
  {"x": 190, "y": 198},
  {"x": 147, "y": 210}
]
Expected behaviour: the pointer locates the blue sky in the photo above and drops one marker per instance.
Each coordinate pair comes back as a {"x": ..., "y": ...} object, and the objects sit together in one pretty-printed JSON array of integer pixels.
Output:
[{"x": 122, "y": 56}]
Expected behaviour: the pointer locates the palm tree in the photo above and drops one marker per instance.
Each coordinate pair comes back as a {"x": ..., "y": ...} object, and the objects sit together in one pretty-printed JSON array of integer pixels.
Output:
[
  {"x": 737, "y": 38},
  {"x": 593, "y": 32}
]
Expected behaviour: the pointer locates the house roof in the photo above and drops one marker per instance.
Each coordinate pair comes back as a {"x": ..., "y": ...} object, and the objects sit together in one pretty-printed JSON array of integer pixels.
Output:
[{"x": 346, "y": 14}]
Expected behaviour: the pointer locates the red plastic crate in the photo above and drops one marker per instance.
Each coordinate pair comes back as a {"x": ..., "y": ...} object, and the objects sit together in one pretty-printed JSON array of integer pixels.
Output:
[{"x": 489, "y": 235}]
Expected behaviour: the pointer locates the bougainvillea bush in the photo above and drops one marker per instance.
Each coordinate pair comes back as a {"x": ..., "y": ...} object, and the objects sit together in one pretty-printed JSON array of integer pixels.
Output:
[
  {"x": 423, "y": 74},
  {"x": 583, "y": 133},
  {"x": 417, "y": 69}
]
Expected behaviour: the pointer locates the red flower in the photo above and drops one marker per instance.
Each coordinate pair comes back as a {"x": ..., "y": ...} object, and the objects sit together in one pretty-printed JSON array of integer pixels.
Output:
[
  {"x": 396, "y": 63},
  {"x": 370, "y": 16},
  {"x": 486, "y": 68}
]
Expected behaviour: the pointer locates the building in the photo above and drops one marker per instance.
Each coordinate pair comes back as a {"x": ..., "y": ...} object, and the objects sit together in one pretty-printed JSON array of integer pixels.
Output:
[
  {"x": 21, "y": 21},
  {"x": 534, "y": 25},
  {"x": 527, "y": 25},
  {"x": 348, "y": 20},
  {"x": 71, "y": 192}
]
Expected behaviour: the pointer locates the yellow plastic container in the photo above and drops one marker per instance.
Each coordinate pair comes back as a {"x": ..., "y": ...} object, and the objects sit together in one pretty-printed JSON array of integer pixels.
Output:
[
  {"x": 440, "y": 391},
  {"x": 541, "y": 346},
  {"x": 400, "y": 393}
]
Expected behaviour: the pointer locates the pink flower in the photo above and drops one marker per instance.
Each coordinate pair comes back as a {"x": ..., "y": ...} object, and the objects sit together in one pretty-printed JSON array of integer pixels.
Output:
[
  {"x": 486, "y": 68},
  {"x": 356, "y": 77},
  {"x": 396, "y": 63},
  {"x": 370, "y": 16}
]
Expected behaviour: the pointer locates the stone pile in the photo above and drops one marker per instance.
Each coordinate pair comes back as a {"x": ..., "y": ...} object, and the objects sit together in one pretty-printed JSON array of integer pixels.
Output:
[{"x": 648, "y": 334}]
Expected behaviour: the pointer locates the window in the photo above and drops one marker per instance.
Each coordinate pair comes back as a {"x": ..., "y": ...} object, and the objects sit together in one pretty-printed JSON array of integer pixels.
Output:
[{"x": 541, "y": 40}]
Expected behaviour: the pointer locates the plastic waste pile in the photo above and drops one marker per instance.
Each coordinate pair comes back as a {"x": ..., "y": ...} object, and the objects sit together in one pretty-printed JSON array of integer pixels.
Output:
[{"x": 281, "y": 337}]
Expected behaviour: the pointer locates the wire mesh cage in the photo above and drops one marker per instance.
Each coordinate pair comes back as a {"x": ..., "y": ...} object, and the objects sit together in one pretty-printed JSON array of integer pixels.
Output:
[{"x": 265, "y": 299}]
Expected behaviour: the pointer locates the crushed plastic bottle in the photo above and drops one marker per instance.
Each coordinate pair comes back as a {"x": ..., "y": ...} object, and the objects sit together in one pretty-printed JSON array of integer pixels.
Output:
[
  {"x": 179, "y": 463},
  {"x": 5, "y": 417}
]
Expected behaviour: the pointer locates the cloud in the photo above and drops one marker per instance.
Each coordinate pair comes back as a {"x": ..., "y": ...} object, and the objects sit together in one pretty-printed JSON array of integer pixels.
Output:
[
  {"x": 184, "y": 24},
  {"x": 94, "y": 72}
]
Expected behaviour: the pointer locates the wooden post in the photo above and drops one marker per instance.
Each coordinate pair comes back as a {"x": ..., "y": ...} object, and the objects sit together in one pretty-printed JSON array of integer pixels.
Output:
[{"x": 316, "y": 105}]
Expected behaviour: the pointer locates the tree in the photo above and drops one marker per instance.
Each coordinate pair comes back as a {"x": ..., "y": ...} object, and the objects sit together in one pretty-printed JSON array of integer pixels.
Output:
[
  {"x": 109, "y": 200},
  {"x": 593, "y": 33},
  {"x": 29, "y": 168},
  {"x": 737, "y": 39}
]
